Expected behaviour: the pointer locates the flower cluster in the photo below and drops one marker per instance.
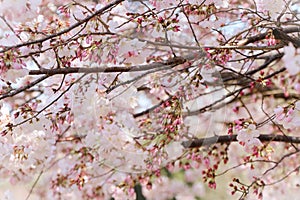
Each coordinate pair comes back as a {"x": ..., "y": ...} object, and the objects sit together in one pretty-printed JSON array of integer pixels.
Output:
[
  {"x": 291, "y": 59},
  {"x": 121, "y": 99},
  {"x": 289, "y": 118},
  {"x": 249, "y": 136}
]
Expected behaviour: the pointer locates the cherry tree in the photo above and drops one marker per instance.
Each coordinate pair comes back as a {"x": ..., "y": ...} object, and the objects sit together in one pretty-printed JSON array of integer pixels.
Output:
[{"x": 150, "y": 99}]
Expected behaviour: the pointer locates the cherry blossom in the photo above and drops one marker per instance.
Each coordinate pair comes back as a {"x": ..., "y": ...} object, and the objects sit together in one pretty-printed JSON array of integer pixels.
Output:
[
  {"x": 291, "y": 60},
  {"x": 297, "y": 87},
  {"x": 155, "y": 99},
  {"x": 273, "y": 9},
  {"x": 289, "y": 119},
  {"x": 13, "y": 74},
  {"x": 249, "y": 136}
]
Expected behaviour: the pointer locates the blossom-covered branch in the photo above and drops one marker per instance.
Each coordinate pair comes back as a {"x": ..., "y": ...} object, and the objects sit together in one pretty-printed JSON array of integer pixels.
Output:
[{"x": 125, "y": 99}]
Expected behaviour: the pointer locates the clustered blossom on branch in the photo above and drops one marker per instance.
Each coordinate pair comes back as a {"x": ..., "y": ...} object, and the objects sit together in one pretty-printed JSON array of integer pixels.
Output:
[
  {"x": 249, "y": 136},
  {"x": 291, "y": 59},
  {"x": 289, "y": 117},
  {"x": 149, "y": 99}
]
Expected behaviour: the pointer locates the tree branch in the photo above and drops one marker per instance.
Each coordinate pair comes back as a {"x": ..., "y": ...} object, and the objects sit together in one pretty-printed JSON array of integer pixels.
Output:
[
  {"x": 22, "y": 89},
  {"x": 233, "y": 138},
  {"x": 285, "y": 38},
  {"x": 174, "y": 61},
  {"x": 262, "y": 36}
]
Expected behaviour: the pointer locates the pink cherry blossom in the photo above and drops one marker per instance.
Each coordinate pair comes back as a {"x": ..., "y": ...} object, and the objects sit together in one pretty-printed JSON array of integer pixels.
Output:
[
  {"x": 297, "y": 87},
  {"x": 173, "y": 99},
  {"x": 291, "y": 59},
  {"x": 289, "y": 119},
  {"x": 249, "y": 136},
  {"x": 279, "y": 112}
]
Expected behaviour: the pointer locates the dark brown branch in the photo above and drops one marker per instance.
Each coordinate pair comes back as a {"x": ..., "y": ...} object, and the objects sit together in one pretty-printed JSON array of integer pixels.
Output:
[
  {"x": 285, "y": 38},
  {"x": 233, "y": 138},
  {"x": 262, "y": 36},
  {"x": 174, "y": 61}
]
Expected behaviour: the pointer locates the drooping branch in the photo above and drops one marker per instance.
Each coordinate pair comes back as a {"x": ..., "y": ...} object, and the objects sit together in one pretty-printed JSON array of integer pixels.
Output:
[
  {"x": 22, "y": 89},
  {"x": 49, "y": 104},
  {"x": 233, "y": 138}
]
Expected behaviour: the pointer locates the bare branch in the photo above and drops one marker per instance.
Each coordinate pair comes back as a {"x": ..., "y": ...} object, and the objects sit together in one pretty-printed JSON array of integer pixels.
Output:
[
  {"x": 174, "y": 61},
  {"x": 196, "y": 143}
]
